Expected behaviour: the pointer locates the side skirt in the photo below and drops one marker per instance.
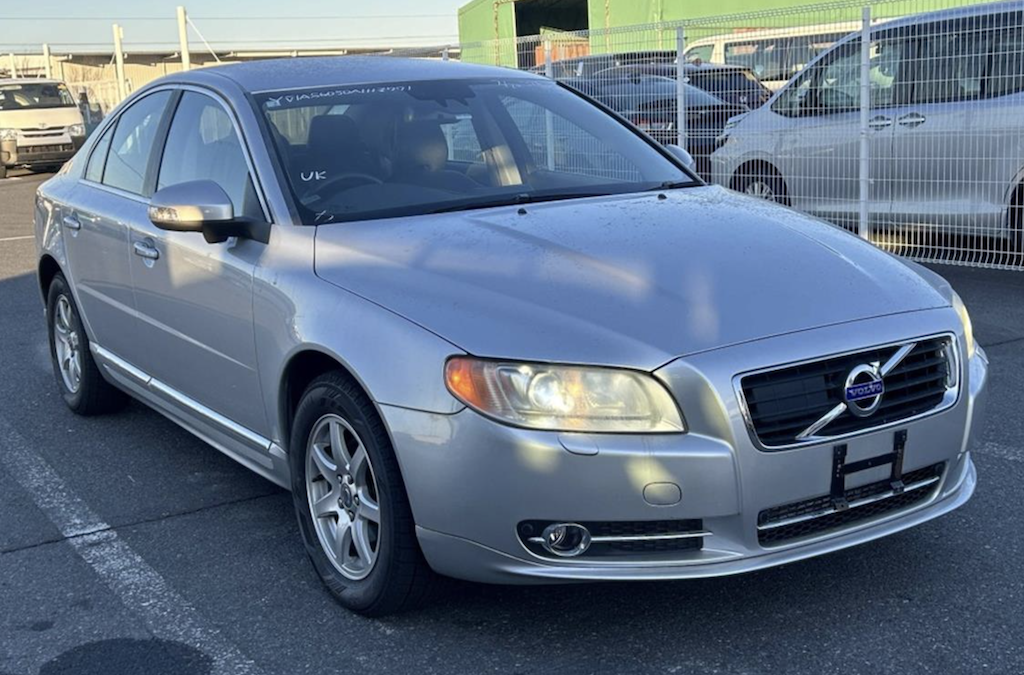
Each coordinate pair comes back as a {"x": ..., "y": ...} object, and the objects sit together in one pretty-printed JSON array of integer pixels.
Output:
[{"x": 243, "y": 445}]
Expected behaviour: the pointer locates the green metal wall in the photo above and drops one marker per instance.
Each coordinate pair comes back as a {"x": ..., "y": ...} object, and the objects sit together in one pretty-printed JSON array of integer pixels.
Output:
[{"x": 481, "y": 22}]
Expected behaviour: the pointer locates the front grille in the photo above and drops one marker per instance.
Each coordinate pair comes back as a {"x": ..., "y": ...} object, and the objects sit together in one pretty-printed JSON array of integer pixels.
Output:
[
  {"x": 817, "y": 516},
  {"x": 784, "y": 402},
  {"x": 628, "y": 537},
  {"x": 28, "y": 150}
]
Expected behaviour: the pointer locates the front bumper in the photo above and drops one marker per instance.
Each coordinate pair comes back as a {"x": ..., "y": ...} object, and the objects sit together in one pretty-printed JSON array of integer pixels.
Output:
[
  {"x": 472, "y": 481},
  {"x": 60, "y": 150}
]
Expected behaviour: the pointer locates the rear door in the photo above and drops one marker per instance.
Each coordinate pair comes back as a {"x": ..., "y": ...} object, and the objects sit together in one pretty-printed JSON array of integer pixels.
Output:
[
  {"x": 109, "y": 196},
  {"x": 194, "y": 299}
]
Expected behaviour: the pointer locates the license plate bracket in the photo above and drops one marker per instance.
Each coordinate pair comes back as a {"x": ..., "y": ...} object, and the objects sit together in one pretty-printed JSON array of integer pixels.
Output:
[{"x": 841, "y": 469}]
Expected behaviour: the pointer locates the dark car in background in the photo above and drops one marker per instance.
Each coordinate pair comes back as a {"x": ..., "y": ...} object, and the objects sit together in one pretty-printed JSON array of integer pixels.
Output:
[
  {"x": 590, "y": 65},
  {"x": 733, "y": 84},
  {"x": 650, "y": 102}
]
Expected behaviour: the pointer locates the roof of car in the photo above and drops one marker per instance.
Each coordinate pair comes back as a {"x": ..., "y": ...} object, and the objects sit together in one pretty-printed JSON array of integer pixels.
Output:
[
  {"x": 968, "y": 10},
  {"x": 304, "y": 73}
]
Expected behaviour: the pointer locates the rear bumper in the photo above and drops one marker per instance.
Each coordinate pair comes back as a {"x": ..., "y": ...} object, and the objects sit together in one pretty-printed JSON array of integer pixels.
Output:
[{"x": 472, "y": 483}]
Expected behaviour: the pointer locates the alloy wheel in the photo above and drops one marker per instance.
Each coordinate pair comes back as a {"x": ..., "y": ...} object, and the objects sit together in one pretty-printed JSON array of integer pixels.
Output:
[
  {"x": 760, "y": 189},
  {"x": 67, "y": 344},
  {"x": 343, "y": 497}
]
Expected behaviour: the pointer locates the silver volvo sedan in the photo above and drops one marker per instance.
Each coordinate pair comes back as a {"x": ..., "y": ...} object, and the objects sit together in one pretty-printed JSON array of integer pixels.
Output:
[{"x": 483, "y": 328}]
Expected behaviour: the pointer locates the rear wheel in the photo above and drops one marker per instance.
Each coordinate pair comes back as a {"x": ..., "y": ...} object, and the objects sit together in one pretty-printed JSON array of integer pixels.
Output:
[
  {"x": 761, "y": 182},
  {"x": 351, "y": 503},
  {"x": 82, "y": 386}
]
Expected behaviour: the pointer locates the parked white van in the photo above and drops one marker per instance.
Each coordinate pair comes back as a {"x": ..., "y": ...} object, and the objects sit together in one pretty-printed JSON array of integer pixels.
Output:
[
  {"x": 775, "y": 54},
  {"x": 41, "y": 126}
]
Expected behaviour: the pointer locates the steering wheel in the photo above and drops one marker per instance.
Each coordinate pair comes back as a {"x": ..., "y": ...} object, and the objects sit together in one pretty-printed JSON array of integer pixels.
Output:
[{"x": 336, "y": 184}]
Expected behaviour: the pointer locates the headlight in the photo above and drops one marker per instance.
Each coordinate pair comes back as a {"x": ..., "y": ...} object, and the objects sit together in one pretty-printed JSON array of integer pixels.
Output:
[
  {"x": 965, "y": 319},
  {"x": 8, "y": 134},
  {"x": 564, "y": 398},
  {"x": 77, "y": 130}
]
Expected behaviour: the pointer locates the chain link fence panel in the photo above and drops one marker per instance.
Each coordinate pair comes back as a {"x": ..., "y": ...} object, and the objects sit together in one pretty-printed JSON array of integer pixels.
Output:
[{"x": 900, "y": 120}]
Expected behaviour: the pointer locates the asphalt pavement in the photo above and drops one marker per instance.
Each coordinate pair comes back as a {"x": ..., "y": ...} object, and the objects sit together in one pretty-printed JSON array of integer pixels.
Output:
[{"x": 127, "y": 546}]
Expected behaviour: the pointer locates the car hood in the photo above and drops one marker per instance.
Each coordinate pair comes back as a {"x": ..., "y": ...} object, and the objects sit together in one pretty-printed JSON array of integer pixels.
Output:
[
  {"x": 33, "y": 118},
  {"x": 630, "y": 280}
]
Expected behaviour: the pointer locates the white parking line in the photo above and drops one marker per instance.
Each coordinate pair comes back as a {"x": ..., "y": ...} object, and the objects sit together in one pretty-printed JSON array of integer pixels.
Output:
[
  {"x": 139, "y": 587},
  {"x": 19, "y": 238}
]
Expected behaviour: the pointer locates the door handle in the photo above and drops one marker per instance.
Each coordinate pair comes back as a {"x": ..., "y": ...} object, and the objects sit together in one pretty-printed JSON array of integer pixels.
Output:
[
  {"x": 71, "y": 222},
  {"x": 144, "y": 250},
  {"x": 880, "y": 122},
  {"x": 912, "y": 120}
]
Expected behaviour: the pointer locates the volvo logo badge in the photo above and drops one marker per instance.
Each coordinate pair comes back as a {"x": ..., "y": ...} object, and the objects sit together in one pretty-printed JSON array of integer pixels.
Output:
[{"x": 864, "y": 389}]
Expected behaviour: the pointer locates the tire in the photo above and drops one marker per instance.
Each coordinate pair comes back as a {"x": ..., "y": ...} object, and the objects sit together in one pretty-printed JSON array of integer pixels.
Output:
[
  {"x": 390, "y": 575},
  {"x": 3, "y": 172},
  {"x": 761, "y": 183},
  {"x": 81, "y": 384}
]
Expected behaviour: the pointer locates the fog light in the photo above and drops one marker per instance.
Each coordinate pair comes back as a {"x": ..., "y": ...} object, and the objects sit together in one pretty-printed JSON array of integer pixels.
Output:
[{"x": 566, "y": 540}]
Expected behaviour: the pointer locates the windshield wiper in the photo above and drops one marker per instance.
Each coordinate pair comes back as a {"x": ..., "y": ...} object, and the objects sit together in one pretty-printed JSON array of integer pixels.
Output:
[
  {"x": 513, "y": 200},
  {"x": 672, "y": 185}
]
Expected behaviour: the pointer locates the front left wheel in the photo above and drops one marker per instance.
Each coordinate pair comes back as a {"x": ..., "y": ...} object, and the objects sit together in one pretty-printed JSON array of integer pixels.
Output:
[{"x": 353, "y": 511}]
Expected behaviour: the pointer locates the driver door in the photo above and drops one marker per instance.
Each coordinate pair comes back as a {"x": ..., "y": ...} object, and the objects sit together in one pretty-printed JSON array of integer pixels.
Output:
[{"x": 194, "y": 299}]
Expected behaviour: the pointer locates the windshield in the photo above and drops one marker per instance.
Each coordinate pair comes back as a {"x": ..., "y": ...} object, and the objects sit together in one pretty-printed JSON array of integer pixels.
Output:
[
  {"x": 377, "y": 151},
  {"x": 31, "y": 95}
]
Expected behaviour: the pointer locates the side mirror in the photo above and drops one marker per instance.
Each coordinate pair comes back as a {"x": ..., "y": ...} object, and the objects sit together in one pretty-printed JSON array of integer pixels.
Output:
[
  {"x": 683, "y": 156},
  {"x": 202, "y": 206}
]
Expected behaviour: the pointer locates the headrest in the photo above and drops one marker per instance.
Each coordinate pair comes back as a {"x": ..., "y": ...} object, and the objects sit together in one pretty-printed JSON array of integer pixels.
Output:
[
  {"x": 422, "y": 146},
  {"x": 330, "y": 132}
]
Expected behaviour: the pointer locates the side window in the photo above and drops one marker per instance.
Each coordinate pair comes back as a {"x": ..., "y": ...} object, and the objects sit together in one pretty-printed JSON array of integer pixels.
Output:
[
  {"x": 950, "y": 64},
  {"x": 463, "y": 144},
  {"x": 837, "y": 85},
  {"x": 133, "y": 141},
  {"x": 202, "y": 145},
  {"x": 701, "y": 53},
  {"x": 556, "y": 144},
  {"x": 1006, "y": 74},
  {"x": 98, "y": 158}
]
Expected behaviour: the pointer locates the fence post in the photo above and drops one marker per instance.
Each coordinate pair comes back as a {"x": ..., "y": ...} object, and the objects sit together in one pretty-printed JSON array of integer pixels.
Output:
[
  {"x": 119, "y": 62},
  {"x": 12, "y": 65},
  {"x": 863, "y": 226},
  {"x": 186, "y": 60},
  {"x": 47, "y": 65},
  {"x": 680, "y": 87},
  {"x": 549, "y": 122}
]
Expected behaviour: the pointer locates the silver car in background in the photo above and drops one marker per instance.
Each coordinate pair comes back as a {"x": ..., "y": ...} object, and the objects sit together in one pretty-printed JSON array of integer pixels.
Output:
[
  {"x": 946, "y": 150},
  {"x": 542, "y": 357}
]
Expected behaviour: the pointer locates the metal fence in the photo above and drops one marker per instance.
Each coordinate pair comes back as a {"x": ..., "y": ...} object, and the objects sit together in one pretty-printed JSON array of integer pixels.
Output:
[{"x": 902, "y": 121}]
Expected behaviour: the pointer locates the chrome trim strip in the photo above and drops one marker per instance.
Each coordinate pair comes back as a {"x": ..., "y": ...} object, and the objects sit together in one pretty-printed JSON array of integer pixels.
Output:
[
  {"x": 823, "y": 422},
  {"x": 216, "y": 418},
  {"x": 639, "y": 537},
  {"x": 852, "y": 505},
  {"x": 951, "y": 399},
  {"x": 120, "y": 364},
  {"x": 897, "y": 358},
  {"x": 652, "y": 537}
]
